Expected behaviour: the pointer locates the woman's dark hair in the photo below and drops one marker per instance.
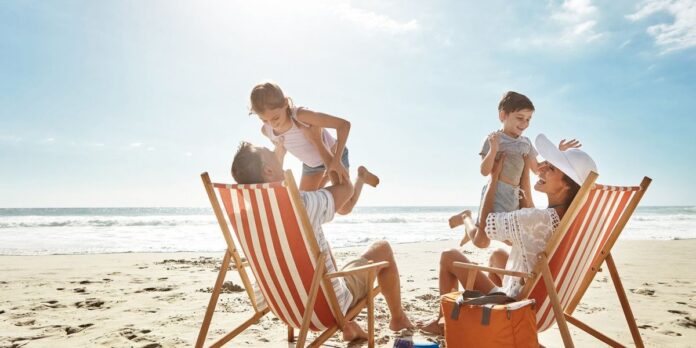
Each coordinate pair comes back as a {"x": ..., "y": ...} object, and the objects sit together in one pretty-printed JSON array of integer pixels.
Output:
[{"x": 573, "y": 188}]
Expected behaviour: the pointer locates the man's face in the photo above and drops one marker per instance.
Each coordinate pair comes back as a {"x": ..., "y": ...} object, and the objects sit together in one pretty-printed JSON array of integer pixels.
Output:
[{"x": 271, "y": 168}]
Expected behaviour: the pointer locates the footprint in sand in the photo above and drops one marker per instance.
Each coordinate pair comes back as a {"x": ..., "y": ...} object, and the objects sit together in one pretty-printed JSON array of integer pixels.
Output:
[
  {"x": 90, "y": 304},
  {"x": 80, "y": 290},
  {"x": 75, "y": 329},
  {"x": 687, "y": 322},
  {"x": 677, "y": 311},
  {"x": 156, "y": 288},
  {"x": 643, "y": 291},
  {"x": 137, "y": 336},
  {"x": 670, "y": 333},
  {"x": 49, "y": 304},
  {"x": 25, "y": 323}
]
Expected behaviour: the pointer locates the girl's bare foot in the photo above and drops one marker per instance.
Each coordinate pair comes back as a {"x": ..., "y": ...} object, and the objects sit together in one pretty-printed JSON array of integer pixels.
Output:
[
  {"x": 458, "y": 219},
  {"x": 352, "y": 331},
  {"x": 367, "y": 177}
]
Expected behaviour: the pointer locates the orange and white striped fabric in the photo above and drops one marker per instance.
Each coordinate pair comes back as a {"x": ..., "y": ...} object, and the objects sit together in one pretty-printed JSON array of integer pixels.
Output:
[
  {"x": 275, "y": 242},
  {"x": 580, "y": 247}
]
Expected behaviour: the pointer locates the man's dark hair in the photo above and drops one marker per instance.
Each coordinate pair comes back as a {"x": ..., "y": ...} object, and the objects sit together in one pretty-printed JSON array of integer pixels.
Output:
[
  {"x": 247, "y": 165},
  {"x": 513, "y": 101}
]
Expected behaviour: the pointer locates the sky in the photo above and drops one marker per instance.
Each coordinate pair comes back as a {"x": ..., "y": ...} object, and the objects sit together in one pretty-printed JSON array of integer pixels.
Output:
[{"x": 125, "y": 103}]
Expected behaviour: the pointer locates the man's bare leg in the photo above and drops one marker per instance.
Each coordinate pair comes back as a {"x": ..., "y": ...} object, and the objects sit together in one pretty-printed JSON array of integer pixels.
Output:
[
  {"x": 364, "y": 177},
  {"x": 449, "y": 280}
]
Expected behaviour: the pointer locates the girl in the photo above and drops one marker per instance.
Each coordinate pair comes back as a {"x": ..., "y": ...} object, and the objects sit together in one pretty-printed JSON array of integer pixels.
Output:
[{"x": 303, "y": 133}]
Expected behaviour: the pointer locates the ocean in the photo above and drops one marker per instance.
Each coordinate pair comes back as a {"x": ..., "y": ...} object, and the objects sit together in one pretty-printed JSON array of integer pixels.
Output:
[{"x": 45, "y": 231}]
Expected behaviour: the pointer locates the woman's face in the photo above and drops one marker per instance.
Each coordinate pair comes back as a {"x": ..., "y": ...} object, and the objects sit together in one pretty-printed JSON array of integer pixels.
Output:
[{"x": 550, "y": 179}]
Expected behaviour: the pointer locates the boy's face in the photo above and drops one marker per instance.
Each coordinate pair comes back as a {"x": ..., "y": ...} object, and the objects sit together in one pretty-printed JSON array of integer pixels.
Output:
[{"x": 515, "y": 123}]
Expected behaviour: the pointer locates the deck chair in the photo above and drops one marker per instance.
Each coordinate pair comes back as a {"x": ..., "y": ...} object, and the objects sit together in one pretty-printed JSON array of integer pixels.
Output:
[
  {"x": 574, "y": 255},
  {"x": 273, "y": 230}
]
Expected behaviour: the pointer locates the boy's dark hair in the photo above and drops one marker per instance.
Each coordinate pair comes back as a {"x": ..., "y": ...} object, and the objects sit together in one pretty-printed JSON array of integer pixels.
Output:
[
  {"x": 247, "y": 165},
  {"x": 513, "y": 101}
]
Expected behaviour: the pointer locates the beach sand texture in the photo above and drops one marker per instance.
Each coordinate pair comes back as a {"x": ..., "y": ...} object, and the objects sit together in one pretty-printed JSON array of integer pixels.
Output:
[{"x": 158, "y": 300}]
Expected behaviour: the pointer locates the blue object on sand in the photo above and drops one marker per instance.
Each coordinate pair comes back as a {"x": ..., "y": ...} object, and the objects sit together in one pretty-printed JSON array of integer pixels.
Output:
[
  {"x": 408, "y": 343},
  {"x": 426, "y": 345}
]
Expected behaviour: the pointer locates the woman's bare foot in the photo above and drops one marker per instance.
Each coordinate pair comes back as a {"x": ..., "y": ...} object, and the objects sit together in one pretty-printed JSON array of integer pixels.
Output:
[
  {"x": 367, "y": 177},
  {"x": 434, "y": 327},
  {"x": 400, "y": 323},
  {"x": 352, "y": 331},
  {"x": 458, "y": 219}
]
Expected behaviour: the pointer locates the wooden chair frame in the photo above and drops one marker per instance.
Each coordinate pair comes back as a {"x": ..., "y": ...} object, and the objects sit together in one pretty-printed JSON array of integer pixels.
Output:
[
  {"x": 321, "y": 279},
  {"x": 543, "y": 272}
]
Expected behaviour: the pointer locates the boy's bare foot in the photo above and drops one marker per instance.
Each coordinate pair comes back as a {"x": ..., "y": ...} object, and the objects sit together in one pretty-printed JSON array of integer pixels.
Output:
[
  {"x": 367, "y": 177},
  {"x": 464, "y": 240},
  {"x": 458, "y": 219},
  {"x": 352, "y": 331},
  {"x": 434, "y": 327},
  {"x": 400, "y": 323}
]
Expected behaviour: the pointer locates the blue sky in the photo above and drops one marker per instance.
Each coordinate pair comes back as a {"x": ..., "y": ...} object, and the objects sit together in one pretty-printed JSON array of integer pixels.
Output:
[{"x": 125, "y": 103}]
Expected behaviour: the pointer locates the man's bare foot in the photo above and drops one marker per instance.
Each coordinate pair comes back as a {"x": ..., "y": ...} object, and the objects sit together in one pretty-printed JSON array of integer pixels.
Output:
[
  {"x": 352, "y": 331},
  {"x": 434, "y": 327},
  {"x": 367, "y": 177},
  {"x": 400, "y": 323},
  {"x": 458, "y": 219}
]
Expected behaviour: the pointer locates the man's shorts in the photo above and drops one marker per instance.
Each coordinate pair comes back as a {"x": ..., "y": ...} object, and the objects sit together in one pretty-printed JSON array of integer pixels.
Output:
[{"x": 357, "y": 283}]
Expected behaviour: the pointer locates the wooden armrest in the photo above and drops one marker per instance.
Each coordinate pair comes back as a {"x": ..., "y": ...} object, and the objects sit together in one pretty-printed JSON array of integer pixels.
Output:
[
  {"x": 492, "y": 270},
  {"x": 366, "y": 268}
]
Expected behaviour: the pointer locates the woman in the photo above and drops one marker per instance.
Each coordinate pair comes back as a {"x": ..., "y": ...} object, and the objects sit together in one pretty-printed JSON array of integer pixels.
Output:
[{"x": 527, "y": 230}]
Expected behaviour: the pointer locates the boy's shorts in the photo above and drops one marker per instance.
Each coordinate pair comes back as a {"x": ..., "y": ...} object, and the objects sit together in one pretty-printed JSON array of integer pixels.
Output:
[
  {"x": 307, "y": 170},
  {"x": 357, "y": 283},
  {"x": 507, "y": 198}
]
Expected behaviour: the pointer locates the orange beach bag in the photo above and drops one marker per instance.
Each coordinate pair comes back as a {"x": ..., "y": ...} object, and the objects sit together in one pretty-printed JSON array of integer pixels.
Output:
[{"x": 495, "y": 320}]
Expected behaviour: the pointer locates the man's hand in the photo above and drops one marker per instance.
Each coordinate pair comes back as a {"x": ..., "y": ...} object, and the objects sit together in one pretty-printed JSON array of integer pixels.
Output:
[{"x": 571, "y": 144}]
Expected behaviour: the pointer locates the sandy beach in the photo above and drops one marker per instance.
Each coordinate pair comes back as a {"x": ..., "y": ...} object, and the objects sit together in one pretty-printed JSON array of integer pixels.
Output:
[{"x": 158, "y": 299}]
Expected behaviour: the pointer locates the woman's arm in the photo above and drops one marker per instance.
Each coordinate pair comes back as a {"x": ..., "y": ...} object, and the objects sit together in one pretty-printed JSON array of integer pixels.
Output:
[
  {"x": 342, "y": 128},
  {"x": 526, "y": 187},
  {"x": 478, "y": 236}
]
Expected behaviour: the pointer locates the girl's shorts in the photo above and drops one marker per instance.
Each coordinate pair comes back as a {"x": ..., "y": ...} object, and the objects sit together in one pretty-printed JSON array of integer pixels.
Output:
[{"x": 307, "y": 170}]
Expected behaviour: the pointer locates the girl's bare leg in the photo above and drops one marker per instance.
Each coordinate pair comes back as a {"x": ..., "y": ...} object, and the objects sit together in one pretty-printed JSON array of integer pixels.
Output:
[
  {"x": 364, "y": 177},
  {"x": 311, "y": 182}
]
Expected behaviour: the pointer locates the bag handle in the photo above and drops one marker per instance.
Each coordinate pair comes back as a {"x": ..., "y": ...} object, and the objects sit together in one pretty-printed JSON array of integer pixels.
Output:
[{"x": 476, "y": 298}]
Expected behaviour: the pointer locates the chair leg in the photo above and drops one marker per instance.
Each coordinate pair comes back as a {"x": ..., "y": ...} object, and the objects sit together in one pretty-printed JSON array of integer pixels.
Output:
[
  {"x": 311, "y": 299},
  {"x": 370, "y": 310},
  {"x": 598, "y": 335},
  {"x": 624, "y": 301},
  {"x": 553, "y": 296},
  {"x": 213, "y": 300},
  {"x": 323, "y": 337},
  {"x": 291, "y": 334}
]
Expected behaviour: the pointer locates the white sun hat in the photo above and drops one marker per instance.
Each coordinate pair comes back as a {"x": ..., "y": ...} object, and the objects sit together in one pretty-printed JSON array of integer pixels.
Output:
[{"x": 573, "y": 162}]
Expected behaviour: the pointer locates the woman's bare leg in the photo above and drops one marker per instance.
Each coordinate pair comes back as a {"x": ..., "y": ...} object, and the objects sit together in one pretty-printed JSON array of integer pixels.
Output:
[
  {"x": 311, "y": 182},
  {"x": 364, "y": 177},
  {"x": 450, "y": 277},
  {"x": 498, "y": 259}
]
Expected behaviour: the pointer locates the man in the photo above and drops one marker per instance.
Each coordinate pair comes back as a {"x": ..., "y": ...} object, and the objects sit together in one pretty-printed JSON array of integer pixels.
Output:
[{"x": 254, "y": 164}]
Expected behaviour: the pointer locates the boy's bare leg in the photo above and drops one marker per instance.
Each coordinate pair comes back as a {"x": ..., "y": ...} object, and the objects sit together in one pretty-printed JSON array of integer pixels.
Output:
[
  {"x": 460, "y": 219},
  {"x": 364, "y": 177}
]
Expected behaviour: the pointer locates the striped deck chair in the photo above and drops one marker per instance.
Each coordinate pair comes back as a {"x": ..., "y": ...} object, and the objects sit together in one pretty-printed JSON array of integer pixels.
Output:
[
  {"x": 575, "y": 253},
  {"x": 273, "y": 230}
]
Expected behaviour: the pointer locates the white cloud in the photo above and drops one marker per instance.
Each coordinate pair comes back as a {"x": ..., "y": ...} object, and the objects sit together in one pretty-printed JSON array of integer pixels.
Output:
[
  {"x": 151, "y": 148},
  {"x": 375, "y": 22},
  {"x": 188, "y": 154},
  {"x": 10, "y": 139},
  {"x": 577, "y": 20},
  {"x": 137, "y": 144},
  {"x": 48, "y": 140},
  {"x": 678, "y": 35}
]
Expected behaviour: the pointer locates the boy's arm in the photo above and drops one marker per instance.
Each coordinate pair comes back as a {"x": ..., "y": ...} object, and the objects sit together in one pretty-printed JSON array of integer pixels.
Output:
[
  {"x": 342, "y": 128},
  {"x": 532, "y": 164},
  {"x": 489, "y": 158}
]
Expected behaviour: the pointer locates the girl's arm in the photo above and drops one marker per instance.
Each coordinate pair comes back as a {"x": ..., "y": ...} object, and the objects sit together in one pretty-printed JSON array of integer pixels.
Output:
[
  {"x": 489, "y": 158},
  {"x": 342, "y": 128},
  {"x": 478, "y": 236}
]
